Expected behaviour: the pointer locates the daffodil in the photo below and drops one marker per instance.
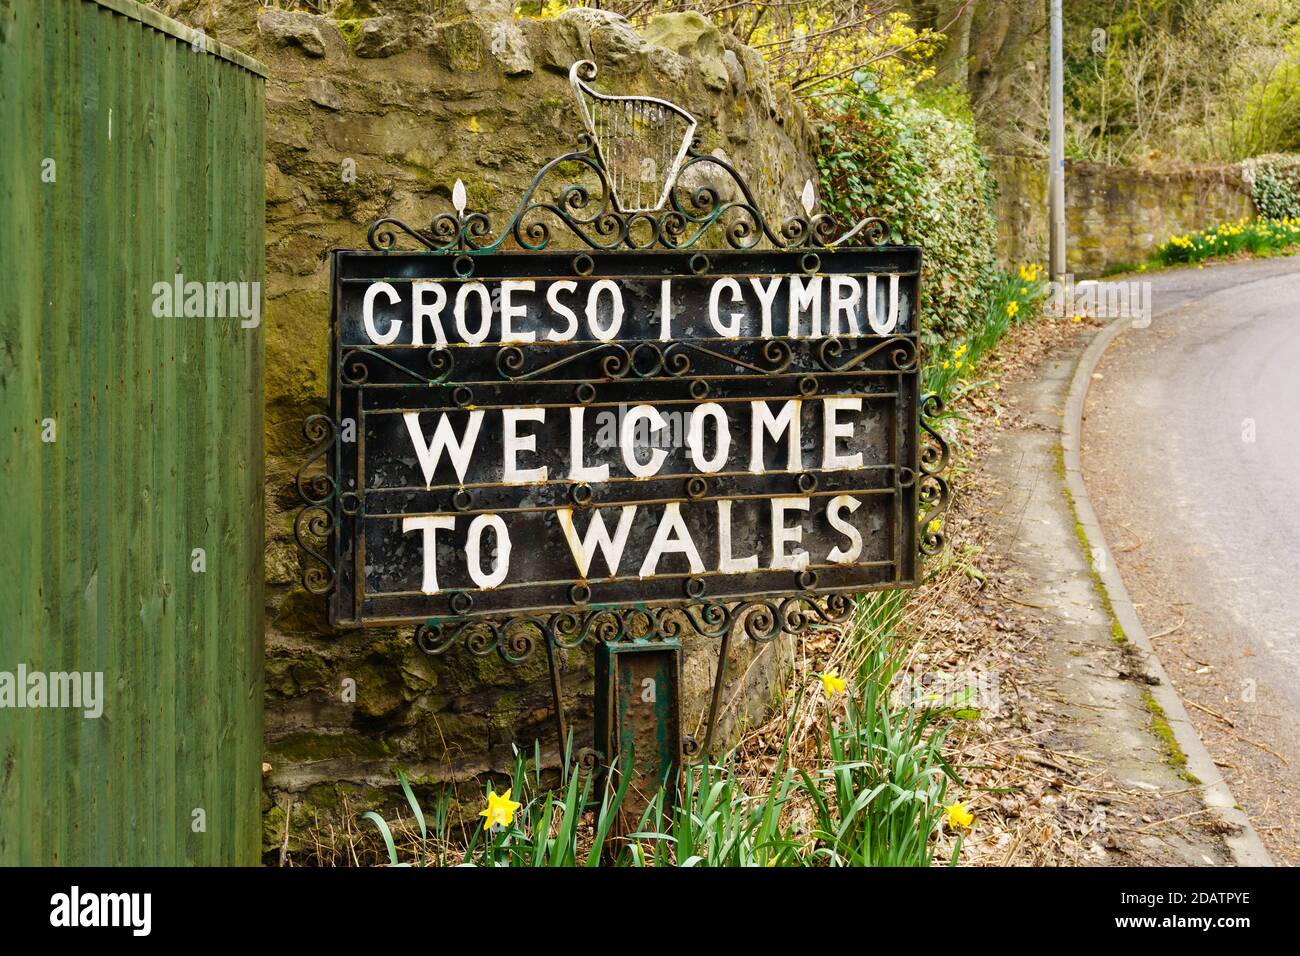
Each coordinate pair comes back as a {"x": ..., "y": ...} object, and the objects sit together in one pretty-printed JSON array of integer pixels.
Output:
[
  {"x": 832, "y": 683},
  {"x": 958, "y": 815},
  {"x": 1013, "y": 307},
  {"x": 500, "y": 810}
]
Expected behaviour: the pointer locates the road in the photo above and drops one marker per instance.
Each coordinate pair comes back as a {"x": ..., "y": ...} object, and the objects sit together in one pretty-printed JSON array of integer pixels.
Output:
[{"x": 1192, "y": 459}]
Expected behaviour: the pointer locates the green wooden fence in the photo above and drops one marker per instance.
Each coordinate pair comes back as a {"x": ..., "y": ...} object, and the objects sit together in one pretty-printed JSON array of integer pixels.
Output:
[{"x": 132, "y": 151}]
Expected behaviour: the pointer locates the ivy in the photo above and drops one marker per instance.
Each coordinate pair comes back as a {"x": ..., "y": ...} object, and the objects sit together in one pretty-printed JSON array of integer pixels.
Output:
[
  {"x": 1276, "y": 191},
  {"x": 916, "y": 164}
]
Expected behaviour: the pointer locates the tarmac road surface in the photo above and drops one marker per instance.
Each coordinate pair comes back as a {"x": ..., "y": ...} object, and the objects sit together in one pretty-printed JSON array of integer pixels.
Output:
[{"x": 1192, "y": 460}]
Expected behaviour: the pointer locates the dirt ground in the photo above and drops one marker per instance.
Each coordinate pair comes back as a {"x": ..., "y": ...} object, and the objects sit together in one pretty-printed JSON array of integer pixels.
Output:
[{"x": 1063, "y": 756}]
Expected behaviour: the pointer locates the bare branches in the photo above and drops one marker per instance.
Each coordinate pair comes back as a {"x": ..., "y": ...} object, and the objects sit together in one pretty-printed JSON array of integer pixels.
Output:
[
  {"x": 808, "y": 43},
  {"x": 1211, "y": 84}
]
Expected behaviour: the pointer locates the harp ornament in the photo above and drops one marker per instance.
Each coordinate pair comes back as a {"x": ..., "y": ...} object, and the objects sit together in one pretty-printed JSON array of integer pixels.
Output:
[{"x": 641, "y": 141}]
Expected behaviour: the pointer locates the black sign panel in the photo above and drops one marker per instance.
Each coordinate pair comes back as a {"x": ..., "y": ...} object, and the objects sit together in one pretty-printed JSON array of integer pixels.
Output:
[{"x": 527, "y": 432}]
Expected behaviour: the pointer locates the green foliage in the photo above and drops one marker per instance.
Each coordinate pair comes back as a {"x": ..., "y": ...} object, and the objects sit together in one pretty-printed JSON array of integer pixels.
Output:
[
  {"x": 1205, "y": 80},
  {"x": 1253, "y": 236},
  {"x": 951, "y": 364},
  {"x": 875, "y": 795},
  {"x": 716, "y": 823},
  {"x": 879, "y": 799},
  {"x": 917, "y": 166},
  {"x": 1270, "y": 119},
  {"x": 545, "y": 831},
  {"x": 1276, "y": 191}
]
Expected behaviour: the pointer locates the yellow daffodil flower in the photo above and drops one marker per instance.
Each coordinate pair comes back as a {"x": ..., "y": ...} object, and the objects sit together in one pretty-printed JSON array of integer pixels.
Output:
[
  {"x": 832, "y": 683},
  {"x": 958, "y": 815},
  {"x": 1013, "y": 307},
  {"x": 500, "y": 810}
]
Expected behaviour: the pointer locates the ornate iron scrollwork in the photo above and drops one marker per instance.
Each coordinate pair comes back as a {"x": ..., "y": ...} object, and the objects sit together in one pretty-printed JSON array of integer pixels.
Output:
[
  {"x": 313, "y": 528},
  {"x": 598, "y": 219},
  {"x": 594, "y": 218},
  {"x": 515, "y": 638},
  {"x": 933, "y": 492},
  {"x": 602, "y": 213}
]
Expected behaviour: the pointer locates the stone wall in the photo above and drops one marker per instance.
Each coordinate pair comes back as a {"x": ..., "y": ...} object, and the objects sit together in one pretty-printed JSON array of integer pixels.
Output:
[
  {"x": 1116, "y": 216},
  {"x": 379, "y": 116},
  {"x": 1021, "y": 209}
]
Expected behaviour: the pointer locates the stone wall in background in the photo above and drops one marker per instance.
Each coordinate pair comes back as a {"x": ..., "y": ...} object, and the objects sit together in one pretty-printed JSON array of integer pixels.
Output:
[
  {"x": 1116, "y": 216},
  {"x": 379, "y": 116},
  {"x": 1021, "y": 209}
]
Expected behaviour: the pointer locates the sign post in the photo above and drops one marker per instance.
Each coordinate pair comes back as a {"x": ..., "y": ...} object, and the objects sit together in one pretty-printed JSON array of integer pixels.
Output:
[
  {"x": 604, "y": 446},
  {"x": 638, "y": 718}
]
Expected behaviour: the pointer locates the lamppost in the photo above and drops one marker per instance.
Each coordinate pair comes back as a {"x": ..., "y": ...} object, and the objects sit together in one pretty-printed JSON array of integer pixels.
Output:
[{"x": 1056, "y": 150}]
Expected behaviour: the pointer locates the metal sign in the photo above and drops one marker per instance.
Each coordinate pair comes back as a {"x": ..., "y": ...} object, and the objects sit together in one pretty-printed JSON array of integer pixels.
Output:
[
  {"x": 598, "y": 446},
  {"x": 552, "y": 431}
]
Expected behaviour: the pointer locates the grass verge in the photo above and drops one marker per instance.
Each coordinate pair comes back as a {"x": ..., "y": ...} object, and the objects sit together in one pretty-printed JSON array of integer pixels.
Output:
[{"x": 1243, "y": 237}]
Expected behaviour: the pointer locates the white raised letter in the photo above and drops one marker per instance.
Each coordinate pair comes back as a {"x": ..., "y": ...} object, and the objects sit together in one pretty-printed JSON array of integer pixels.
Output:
[
  {"x": 485, "y": 310},
  {"x": 566, "y": 313},
  {"x": 845, "y": 296},
  {"x": 781, "y": 535},
  {"x": 733, "y": 287},
  {"x": 368, "y": 313},
  {"x": 671, "y": 535},
  {"x": 430, "y": 525},
  {"x": 766, "y": 296},
  {"x": 473, "y": 547},
  {"x": 843, "y": 527},
  {"x": 421, "y": 310},
  {"x": 695, "y": 437},
  {"x": 577, "y": 470},
  {"x": 593, "y": 311},
  {"x": 459, "y": 450},
  {"x": 887, "y": 326},
  {"x": 833, "y": 429},
  {"x": 786, "y": 421},
  {"x": 726, "y": 563},
  {"x": 665, "y": 310},
  {"x": 512, "y": 443},
  {"x": 627, "y": 436},
  {"x": 509, "y": 310},
  {"x": 805, "y": 298},
  {"x": 597, "y": 536}
]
